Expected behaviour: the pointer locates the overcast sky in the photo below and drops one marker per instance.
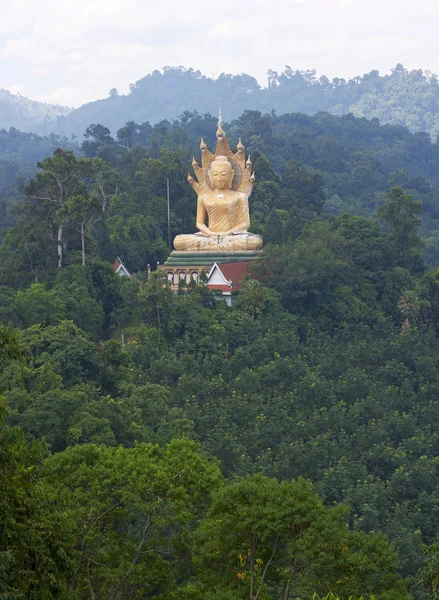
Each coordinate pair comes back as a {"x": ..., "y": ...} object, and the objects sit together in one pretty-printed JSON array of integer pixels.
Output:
[{"x": 73, "y": 51}]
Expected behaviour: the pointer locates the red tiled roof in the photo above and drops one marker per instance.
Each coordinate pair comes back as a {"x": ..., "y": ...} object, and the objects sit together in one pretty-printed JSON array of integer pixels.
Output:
[
  {"x": 119, "y": 266},
  {"x": 234, "y": 271}
]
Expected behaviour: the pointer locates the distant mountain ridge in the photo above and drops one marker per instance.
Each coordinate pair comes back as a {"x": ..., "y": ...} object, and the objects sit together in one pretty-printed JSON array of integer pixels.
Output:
[
  {"x": 28, "y": 115},
  {"x": 407, "y": 98}
]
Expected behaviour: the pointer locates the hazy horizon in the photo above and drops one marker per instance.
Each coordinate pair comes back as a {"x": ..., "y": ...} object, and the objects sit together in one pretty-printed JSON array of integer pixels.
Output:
[
  {"x": 126, "y": 92},
  {"x": 75, "y": 52}
]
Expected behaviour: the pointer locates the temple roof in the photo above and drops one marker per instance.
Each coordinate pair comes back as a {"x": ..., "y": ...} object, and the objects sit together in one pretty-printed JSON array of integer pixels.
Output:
[
  {"x": 227, "y": 275},
  {"x": 121, "y": 269},
  {"x": 234, "y": 272}
]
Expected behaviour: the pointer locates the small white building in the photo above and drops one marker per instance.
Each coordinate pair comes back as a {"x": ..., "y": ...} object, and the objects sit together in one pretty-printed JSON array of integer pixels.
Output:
[
  {"x": 121, "y": 269},
  {"x": 227, "y": 278}
]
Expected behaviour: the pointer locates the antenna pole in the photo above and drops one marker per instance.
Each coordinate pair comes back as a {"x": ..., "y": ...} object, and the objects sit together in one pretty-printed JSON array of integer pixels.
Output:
[{"x": 169, "y": 214}]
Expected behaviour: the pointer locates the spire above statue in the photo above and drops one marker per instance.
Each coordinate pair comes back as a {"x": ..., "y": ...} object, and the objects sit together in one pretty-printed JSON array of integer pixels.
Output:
[{"x": 224, "y": 183}]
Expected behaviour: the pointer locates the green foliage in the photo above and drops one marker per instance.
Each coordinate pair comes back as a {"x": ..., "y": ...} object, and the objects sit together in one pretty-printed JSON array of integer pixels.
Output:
[
  {"x": 96, "y": 135},
  {"x": 84, "y": 213},
  {"x": 34, "y": 305},
  {"x": 400, "y": 213},
  {"x": 429, "y": 574},
  {"x": 134, "y": 509},
  {"x": 37, "y": 305},
  {"x": 325, "y": 367},
  {"x": 155, "y": 301},
  {"x": 34, "y": 560},
  {"x": 255, "y": 297},
  {"x": 9, "y": 346},
  {"x": 273, "y": 233},
  {"x": 301, "y": 189},
  {"x": 263, "y": 539}
]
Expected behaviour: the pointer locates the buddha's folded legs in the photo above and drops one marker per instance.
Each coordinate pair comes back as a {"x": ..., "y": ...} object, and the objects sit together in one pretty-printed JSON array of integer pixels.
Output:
[{"x": 226, "y": 243}]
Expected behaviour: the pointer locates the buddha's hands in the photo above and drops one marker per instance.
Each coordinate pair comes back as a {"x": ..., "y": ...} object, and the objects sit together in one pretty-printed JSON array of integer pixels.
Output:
[
  {"x": 205, "y": 231},
  {"x": 225, "y": 233}
]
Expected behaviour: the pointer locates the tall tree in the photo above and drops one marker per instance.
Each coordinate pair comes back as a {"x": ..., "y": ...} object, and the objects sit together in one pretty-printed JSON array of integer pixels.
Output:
[
  {"x": 262, "y": 539},
  {"x": 96, "y": 136},
  {"x": 58, "y": 179},
  {"x": 155, "y": 300},
  {"x": 274, "y": 228},
  {"x": 252, "y": 299},
  {"x": 301, "y": 188},
  {"x": 401, "y": 215},
  {"x": 84, "y": 212}
]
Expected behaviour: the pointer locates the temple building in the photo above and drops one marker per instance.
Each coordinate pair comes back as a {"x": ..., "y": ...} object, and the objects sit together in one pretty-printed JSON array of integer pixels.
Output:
[
  {"x": 121, "y": 269},
  {"x": 227, "y": 278}
]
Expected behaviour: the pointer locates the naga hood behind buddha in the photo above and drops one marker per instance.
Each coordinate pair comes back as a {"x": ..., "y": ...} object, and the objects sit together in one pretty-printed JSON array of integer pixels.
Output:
[{"x": 224, "y": 183}]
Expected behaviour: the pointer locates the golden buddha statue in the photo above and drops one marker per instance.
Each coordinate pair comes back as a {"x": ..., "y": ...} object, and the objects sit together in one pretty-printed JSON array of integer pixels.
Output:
[{"x": 225, "y": 181}]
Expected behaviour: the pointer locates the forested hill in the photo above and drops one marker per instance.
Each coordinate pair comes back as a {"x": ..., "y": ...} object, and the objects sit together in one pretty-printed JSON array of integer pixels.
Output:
[
  {"x": 161, "y": 445},
  {"x": 28, "y": 115},
  {"x": 401, "y": 98},
  {"x": 19, "y": 154},
  {"x": 197, "y": 451}
]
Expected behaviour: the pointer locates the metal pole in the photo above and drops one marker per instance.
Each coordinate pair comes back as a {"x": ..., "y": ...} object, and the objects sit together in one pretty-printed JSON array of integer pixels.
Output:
[{"x": 169, "y": 215}]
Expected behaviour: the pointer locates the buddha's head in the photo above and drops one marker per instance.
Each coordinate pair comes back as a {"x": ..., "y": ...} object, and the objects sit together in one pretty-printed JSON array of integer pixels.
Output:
[{"x": 221, "y": 173}]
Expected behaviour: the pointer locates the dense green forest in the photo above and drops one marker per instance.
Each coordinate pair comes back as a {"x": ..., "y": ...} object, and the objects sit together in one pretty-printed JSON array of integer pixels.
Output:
[
  {"x": 19, "y": 154},
  {"x": 350, "y": 165},
  {"x": 409, "y": 98},
  {"x": 160, "y": 445}
]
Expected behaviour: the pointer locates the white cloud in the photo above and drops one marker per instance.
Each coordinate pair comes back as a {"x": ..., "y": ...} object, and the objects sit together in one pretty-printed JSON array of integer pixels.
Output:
[
  {"x": 15, "y": 48},
  {"x": 234, "y": 29},
  {"x": 17, "y": 88},
  {"x": 76, "y": 50},
  {"x": 62, "y": 95}
]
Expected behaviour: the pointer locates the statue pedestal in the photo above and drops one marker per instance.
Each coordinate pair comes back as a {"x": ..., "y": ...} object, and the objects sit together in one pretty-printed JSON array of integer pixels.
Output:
[{"x": 184, "y": 266}]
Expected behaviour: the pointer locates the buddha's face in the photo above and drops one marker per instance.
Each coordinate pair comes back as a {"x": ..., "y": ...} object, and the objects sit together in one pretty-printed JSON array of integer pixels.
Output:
[{"x": 221, "y": 173}]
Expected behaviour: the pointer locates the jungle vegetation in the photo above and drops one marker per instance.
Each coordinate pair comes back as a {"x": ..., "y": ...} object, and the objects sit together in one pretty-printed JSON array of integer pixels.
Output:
[{"x": 161, "y": 445}]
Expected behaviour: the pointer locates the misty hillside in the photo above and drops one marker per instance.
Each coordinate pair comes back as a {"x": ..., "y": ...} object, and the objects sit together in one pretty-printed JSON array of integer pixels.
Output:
[
  {"x": 28, "y": 115},
  {"x": 401, "y": 98}
]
